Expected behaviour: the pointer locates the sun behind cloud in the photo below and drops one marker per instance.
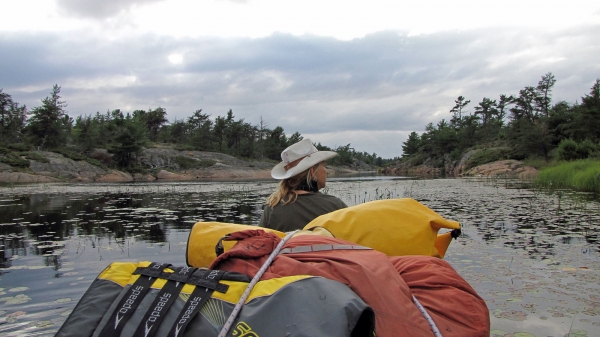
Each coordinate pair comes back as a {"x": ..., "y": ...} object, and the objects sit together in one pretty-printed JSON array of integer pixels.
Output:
[{"x": 176, "y": 58}]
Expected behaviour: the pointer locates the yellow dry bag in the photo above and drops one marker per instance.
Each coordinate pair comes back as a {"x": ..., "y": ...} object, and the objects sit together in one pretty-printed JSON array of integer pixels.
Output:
[
  {"x": 205, "y": 236},
  {"x": 394, "y": 227}
]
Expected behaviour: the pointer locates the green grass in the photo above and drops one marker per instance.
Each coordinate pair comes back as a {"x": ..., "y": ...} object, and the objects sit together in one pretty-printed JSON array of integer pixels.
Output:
[{"x": 580, "y": 175}]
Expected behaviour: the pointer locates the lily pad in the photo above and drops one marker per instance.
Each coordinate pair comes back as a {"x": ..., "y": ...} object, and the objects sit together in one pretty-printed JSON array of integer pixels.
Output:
[
  {"x": 497, "y": 333},
  {"x": 37, "y": 267},
  {"x": 43, "y": 324},
  {"x": 11, "y": 318},
  {"x": 19, "y": 299},
  {"x": 17, "y": 289}
]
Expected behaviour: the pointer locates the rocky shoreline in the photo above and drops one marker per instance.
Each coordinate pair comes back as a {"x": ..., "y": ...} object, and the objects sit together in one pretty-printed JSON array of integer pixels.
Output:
[
  {"x": 163, "y": 167},
  {"x": 508, "y": 168},
  {"x": 61, "y": 169},
  {"x": 160, "y": 161}
]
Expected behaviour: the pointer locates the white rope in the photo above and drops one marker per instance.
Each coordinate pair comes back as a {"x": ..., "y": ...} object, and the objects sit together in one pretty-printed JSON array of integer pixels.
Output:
[
  {"x": 251, "y": 285},
  {"x": 434, "y": 328}
]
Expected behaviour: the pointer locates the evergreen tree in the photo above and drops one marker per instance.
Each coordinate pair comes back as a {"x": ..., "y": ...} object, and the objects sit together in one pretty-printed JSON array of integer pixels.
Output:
[
  {"x": 49, "y": 124},
  {"x": 469, "y": 134},
  {"x": 457, "y": 111},
  {"x": 249, "y": 134},
  {"x": 444, "y": 139},
  {"x": 155, "y": 119},
  {"x": 294, "y": 138},
  {"x": 544, "y": 96},
  {"x": 345, "y": 155},
  {"x": 219, "y": 131},
  {"x": 86, "y": 133},
  {"x": 12, "y": 119},
  {"x": 129, "y": 141},
  {"x": 178, "y": 132},
  {"x": 588, "y": 114},
  {"x": 501, "y": 108},
  {"x": 411, "y": 145},
  {"x": 263, "y": 131},
  {"x": 525, "y": 105},
  {"x": 200, "y": 127},
  {"x": 560, "y": 123},
  {"x": 486, "y": 109},
  {"x": 276, "y": 142}
]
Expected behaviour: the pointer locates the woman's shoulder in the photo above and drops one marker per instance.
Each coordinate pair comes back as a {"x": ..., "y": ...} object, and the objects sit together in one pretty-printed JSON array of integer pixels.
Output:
[{"x": 322, "y": 197}]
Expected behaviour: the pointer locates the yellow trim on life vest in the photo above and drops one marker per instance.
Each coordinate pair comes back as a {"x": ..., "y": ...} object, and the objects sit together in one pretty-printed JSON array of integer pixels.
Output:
[
  {"x": 121, "y": 273},
  {"x": 261, "y": 289}
]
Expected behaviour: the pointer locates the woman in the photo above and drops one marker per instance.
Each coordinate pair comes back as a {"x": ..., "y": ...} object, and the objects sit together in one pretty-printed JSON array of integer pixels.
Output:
[{"x": 297, "y": 201}]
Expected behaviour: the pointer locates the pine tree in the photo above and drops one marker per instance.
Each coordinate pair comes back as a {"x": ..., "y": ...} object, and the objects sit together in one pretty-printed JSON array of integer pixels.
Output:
[
  {"x": 12, "y": 119},
  {"x": 49, "y": 125}
]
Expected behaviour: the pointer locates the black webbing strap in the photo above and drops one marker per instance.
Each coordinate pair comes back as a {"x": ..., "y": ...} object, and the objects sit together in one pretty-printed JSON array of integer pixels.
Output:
[
  {"x": 132, "y": 298},
  {"x": 163, "y": 301},
  {"x": 207, "y": 281}
]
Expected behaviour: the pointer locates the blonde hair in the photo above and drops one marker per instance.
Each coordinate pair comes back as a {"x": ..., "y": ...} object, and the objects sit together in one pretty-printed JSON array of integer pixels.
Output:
[{"x": 285, "y": 192}]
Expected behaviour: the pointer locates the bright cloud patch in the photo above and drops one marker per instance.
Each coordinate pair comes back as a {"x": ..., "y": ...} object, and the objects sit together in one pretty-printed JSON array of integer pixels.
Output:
[{"x": 176, "y": 58}]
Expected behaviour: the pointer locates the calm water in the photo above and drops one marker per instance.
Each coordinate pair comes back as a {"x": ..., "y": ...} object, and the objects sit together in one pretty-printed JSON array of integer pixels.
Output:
[{"x": 533, "y": 257}]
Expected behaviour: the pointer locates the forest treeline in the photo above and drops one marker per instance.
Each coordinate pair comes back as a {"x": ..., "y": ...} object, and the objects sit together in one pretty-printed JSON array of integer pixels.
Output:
[
  {"x": 527, "y": 126},
  {"x": 124, "y": 135}
]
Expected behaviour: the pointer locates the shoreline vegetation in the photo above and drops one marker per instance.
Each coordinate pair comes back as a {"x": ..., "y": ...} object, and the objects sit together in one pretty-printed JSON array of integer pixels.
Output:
[
  {"x": 560, "y": 139},
  {"x": 580, "y": 175},
  {"x": 173, "y": 165},
  {"x": 514, "y": 136}
]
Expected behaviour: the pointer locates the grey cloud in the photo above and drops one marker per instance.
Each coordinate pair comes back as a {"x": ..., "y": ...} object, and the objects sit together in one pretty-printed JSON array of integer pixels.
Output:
[
  {"x": 384, "y": 81},
  {"x": 99, "y": 9}
]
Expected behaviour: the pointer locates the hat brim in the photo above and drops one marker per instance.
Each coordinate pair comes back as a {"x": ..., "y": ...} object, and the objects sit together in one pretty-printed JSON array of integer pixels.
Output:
[{"x": 279, "y": 172}]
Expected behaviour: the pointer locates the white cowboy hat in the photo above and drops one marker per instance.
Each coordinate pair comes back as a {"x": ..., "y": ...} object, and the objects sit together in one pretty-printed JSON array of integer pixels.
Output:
[{"x": 299, "y": 157}]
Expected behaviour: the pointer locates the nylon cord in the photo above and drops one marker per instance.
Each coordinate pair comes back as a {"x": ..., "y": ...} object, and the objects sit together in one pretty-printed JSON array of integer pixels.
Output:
[{"x": 259, "y": 274}]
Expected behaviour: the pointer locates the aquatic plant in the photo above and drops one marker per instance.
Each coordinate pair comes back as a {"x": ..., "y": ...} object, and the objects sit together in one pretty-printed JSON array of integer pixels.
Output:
[{"x": 580, "y": 175}]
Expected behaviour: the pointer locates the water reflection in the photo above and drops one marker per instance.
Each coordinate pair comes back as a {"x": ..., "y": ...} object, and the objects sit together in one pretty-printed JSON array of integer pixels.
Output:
[
  {"x": 45, "y": 219},
  {"x": 39, "y": 223},
  {"x": 57, "y": 238}
]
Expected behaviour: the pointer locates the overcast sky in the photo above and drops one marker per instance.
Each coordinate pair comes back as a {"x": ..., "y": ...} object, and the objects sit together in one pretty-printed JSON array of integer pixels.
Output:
[{"x": 361, "y": 72}]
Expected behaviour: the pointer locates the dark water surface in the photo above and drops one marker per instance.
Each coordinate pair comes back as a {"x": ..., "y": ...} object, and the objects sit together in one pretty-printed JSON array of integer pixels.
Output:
[{"x": 534, "y": 257}]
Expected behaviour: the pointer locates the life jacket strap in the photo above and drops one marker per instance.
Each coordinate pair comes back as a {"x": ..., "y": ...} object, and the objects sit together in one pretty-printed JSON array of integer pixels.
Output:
[
  {"x": 132, "y": 299},
  {"x": 163, "y": 301},
  {"x": 197, "y": 299}
]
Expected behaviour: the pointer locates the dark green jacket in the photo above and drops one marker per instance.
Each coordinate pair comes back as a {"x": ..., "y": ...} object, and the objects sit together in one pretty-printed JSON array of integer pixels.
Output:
[{"x": 297, "y": 214}]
